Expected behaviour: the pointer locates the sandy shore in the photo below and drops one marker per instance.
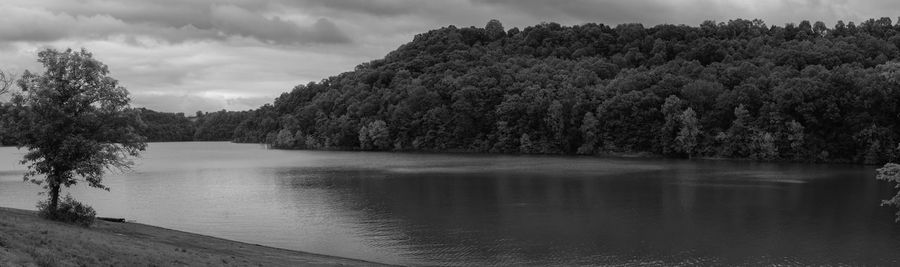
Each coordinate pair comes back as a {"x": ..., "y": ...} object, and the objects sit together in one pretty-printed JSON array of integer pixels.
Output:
[{"x": 27, "y": 240}]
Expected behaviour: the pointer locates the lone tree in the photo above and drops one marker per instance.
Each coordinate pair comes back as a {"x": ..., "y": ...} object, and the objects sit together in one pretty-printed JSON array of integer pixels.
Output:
[{"x": 76, "y": 123}]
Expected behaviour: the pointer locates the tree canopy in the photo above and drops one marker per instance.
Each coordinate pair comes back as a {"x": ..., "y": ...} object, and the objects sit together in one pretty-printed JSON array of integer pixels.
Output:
[{"x": 777, "y": 93}]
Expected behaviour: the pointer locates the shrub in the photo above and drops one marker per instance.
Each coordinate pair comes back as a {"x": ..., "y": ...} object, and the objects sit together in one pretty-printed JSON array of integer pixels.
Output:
[{"x": 69, "y": 211}]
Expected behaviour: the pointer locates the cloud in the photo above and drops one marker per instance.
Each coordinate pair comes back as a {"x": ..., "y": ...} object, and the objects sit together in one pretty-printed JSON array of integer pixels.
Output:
[
  {"x": 189, "y": 103},
  {"x": 176, "y": 55},
  {"x": 381, "y": 8},
  {"x": 212, "y": 22},
  {"x": 584, "y": 10},
  {"x": 233, "y": 20}
]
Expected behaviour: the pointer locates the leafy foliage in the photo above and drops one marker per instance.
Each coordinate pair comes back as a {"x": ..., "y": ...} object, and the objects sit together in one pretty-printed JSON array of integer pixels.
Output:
[
  {"x": 69, "y": 210},
  {"x": 690, "y": 129},
  {"x": 374, "y": 136},
  {"x": 770, "y": 93},
  {"x": 219, "y": 125},
  {"x": 165, "y": 127},
  {"x": 891, "y": 173}
]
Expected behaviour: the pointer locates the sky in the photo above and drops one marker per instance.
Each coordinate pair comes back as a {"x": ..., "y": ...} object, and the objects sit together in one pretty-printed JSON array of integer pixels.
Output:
[{"x": 185, "y": 56}]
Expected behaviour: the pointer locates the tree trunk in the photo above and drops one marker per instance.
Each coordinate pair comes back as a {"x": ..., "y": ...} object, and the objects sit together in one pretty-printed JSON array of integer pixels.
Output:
[{"x": 54, "y": 197}]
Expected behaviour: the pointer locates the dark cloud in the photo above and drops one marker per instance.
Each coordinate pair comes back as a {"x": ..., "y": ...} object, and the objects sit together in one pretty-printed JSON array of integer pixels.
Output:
[
  {"x": 233, "y": 20},
  {"x": 326, "y": 31},
  {"x": 172, "y": 21},
  {"x": 366, "y": 7},
  {"x": 693, "y": 12},
  {"x": 178, "y": 55},
  {"x": 35, "y": 25},
  {"x": 583, "y": 10}
]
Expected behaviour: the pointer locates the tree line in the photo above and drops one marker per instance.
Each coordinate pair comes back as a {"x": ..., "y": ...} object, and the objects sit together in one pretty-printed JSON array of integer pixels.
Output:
[
  {"x": 158, "y": 126},
  {"x": 203, "y": 126}
]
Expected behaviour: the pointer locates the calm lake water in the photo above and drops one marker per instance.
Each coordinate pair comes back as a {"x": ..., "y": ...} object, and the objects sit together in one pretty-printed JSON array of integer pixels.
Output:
[{"x": 457, "y": 209}]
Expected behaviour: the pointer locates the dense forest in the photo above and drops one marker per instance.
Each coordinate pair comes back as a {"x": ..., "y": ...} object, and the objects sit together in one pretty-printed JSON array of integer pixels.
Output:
[
  {"x": 739, "y": 89},
  {"x": 174, "y": 127},
  {"x": 164, "y": 126}
]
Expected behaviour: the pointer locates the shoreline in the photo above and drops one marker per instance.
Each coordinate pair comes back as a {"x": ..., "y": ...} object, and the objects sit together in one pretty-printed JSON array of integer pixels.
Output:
[
  {"x": 28, "y": 240},
  {"x": 607, "y": 154},
  {"x": 600, "y": 155}
]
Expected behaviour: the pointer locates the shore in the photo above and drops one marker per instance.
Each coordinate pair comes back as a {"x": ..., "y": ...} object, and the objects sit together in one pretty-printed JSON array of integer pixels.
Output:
[{"x": 27, "y": 240}]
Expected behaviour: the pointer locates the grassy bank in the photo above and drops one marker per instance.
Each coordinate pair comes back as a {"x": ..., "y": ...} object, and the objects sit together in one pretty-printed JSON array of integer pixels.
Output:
[{"x": 27, "y": 240}]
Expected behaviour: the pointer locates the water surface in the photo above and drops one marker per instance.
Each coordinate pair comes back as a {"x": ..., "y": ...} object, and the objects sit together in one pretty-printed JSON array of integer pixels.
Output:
[{"x": 459, "y": 209}]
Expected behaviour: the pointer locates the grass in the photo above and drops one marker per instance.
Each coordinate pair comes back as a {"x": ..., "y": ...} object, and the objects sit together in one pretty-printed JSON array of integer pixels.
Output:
[{"x": 27, "y": 240}]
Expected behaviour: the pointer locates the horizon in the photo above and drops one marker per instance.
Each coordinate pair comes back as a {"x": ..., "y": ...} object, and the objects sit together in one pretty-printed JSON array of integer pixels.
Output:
[{"x": 206, "y": 56}]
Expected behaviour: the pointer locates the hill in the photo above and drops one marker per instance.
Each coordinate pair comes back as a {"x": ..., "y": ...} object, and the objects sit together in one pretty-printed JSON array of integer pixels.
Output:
[{"x": 737, "y": 89}]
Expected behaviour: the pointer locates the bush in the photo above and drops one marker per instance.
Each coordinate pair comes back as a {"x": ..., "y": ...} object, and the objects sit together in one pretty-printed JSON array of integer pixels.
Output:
[{"x": 68, "y": 211}]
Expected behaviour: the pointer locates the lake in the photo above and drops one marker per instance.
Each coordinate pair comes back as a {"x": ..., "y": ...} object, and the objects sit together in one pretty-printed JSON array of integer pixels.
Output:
[{"x": 467, "y": 209}]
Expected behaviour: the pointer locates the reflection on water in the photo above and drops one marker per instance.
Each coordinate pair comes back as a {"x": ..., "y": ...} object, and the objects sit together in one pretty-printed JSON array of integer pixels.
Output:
[{"x": 444, "y": 209}]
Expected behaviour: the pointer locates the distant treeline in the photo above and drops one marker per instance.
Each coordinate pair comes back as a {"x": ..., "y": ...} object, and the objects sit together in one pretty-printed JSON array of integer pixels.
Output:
[
  {"x": 739, "y": 89},
  {"x": 175, "y": 127},
  {"x": 209, "y": 126},
  {"x": 167, "y": 127}
]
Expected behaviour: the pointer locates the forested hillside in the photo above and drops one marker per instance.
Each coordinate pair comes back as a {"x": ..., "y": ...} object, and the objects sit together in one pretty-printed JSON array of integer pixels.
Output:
[{"x": 739, "y": 89}]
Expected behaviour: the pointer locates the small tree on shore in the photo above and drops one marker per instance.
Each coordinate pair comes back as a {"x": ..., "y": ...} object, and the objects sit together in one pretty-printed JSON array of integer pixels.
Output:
[
  {"x": 375, "y": 136},
  {"x": 589, "y": 134},
  {"x": 687, "y": 138},
  {"x": 76, "y": 123}
]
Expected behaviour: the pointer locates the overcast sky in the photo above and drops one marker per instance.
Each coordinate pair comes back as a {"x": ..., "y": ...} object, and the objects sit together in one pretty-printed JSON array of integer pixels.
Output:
[{"x": 184, "y": 56}]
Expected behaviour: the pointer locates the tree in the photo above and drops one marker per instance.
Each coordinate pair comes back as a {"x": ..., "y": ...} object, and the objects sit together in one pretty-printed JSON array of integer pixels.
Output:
[
  {"x": 494, "y": 30},
  {"x": 589, "y": 134},
  {"x": 284, "y": 139},
  {"x": 525, "y": 144},
  {"x": 763, "y": 146},
  {"x": 669, "y": 130},
  {"x": 690, "y": 131},
  {"x": 795, "y": 136},
  {"x": 555, "y": 122},
  {"x": 891, "y": 173},
  {"x": 820, "y": 29},
  {"x": 75, "y": 121},
  {"x": 374, "y": 135},
  {"x": 740, "y": 134}
]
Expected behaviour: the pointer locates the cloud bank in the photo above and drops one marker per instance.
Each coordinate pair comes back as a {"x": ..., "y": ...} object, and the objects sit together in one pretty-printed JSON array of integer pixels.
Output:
[{"x": 183, "y": 56}]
